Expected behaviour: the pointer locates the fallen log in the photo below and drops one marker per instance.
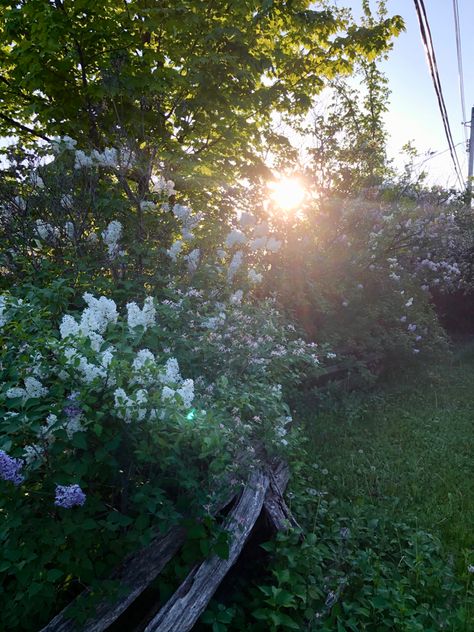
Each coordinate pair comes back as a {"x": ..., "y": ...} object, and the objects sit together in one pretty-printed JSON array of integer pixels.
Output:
[{"x": 190, "y": 600}]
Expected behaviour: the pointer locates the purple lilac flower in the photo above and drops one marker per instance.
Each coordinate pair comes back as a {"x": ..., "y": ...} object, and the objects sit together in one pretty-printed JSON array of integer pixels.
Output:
[
  {"x": 72, "y": 410},
  {"x": 10, "y": 468},
  {"x": 68, "y": 496}
]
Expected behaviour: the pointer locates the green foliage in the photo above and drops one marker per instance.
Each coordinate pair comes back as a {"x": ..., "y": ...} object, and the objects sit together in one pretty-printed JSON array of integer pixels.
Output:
[
  {"x": 189, "y": 83},
  {"x": 358, "y": 273},
  {"x": 356, "y": 568}
]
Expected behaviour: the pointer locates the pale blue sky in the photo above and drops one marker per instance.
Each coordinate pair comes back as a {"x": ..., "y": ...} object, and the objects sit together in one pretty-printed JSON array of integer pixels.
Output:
[{"x": 414, "y": 113}]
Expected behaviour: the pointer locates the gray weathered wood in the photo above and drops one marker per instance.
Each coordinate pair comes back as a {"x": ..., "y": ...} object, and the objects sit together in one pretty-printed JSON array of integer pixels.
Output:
[
  {"x": 277, "y": 512},
  {"x": 135, "y": 573},
  {"x": 187, "y": 604}
]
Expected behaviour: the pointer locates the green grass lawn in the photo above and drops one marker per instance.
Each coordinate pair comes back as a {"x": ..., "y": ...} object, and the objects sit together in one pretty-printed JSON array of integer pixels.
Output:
[{"x": 408, "y": 450}]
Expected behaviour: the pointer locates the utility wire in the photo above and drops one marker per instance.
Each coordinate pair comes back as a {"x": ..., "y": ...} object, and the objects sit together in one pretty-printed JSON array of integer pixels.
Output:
[
  {"x": 435, "y": 155},
  {"x": 430, "y": 52},
  {"x": 429, "y": 49},
  {"x": 457, "y": 29}
]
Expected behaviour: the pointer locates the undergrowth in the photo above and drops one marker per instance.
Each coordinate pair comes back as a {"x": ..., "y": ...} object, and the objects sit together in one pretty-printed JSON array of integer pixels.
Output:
[{"x": 385, "y": 500}]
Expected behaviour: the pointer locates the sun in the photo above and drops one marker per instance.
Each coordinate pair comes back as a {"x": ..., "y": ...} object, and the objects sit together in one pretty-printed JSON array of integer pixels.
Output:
[{"x": 288, "y": 192}]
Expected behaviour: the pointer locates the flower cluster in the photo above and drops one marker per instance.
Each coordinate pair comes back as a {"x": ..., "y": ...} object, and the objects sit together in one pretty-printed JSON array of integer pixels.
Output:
[
  {"x": 10, "y": 468},
  {"x": 68, "y": 496},
  {"x": 111, "y": 236}
]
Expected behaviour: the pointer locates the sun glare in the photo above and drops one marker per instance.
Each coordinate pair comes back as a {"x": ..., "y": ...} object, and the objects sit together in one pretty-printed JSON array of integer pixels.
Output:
[{"x": 287, "y": 192}]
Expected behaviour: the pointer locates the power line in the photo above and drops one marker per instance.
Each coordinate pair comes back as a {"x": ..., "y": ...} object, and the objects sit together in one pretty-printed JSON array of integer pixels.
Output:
[
  {"x": 457, "y": 29},
  {"x": 435, "y": 155},
  {"x": 430, "y": 53}
]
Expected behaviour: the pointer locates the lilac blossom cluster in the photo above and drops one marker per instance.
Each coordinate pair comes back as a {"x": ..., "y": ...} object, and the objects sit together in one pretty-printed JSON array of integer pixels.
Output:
[
  {"x": 10, "y": 468},
  {"x": 68, "y": 496}
]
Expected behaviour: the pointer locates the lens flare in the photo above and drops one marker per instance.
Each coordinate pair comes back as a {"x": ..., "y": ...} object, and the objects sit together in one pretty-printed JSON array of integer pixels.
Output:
[{"x": 287, "y": 193}]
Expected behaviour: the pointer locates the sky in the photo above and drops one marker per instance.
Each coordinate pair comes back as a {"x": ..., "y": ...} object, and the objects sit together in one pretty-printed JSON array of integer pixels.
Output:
[{"x": 413, "y": 111}]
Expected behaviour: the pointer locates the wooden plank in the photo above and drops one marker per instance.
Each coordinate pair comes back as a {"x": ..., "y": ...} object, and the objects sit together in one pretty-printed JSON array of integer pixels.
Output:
[
  {"x": 135, "y": 573},
  {"x": 187, "y": 604},
  {"x": 276, "y": 510}
]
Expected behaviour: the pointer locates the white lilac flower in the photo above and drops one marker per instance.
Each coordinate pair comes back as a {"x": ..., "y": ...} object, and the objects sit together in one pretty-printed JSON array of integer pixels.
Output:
[
  {"x": 106, "y": 357},
  {"x": 171, "y": 373},
  {"x": 98, "y": 314},
  {"x": 181, "y": 212},
  {"x": 186, "y": 392},
  {"x": 32, "y": 453},
  {"x": 46, "y": 432},
  {"x": 145, "y": 317},
  {"x": 258, "y": 244},
  {"x": 235, "y": 264},
  {"x": 3, "y": 307},
  {"x": 255, "y": 277},
  {"x": 69, "y": 228},
  {"x": 187, "y": 233},
  {"x": 235, "y": 237},
  {"x": 66, "y": 201},
  {"x": 34, "y": 388},
  {"x": 273, "y": 245},
  {"x": 68, "y": 142},
  {"x": 147, "y": 205},
  {"x": 193, "y": 260},
  {"x": 141, "y": 400},
  {"x": 123, "y": 404},
  {"x": 15, "y": 393},
  {"x": 144, "y": 368},
  {"x": 236, "y": 297},
  {"x": 411, "y": 327},
  {"x": 82, "y": 160},
  {"x": 409, "y": 303},
  {"x": 214, "y": 321},
  {"x": 167, "y": 393},
  {"x": 45, "y": 231},
  {"x": 161, "y": 185},
  {"x": 91, "y": 372},
  {"x": 96, "y": 340},
  {"x": 175, "y": 249},
  {"x": 143, "y": 358},
  {"x": 261, "y": 230},
  {"x": 68, "y": 327},
  {"x": 470, "y": 568},
  {"x": 111, "y": 236},
  {"x": 107, "y": 158},
  {"x": 36, "y": 180},
  {"x": 246, "y": 219}
]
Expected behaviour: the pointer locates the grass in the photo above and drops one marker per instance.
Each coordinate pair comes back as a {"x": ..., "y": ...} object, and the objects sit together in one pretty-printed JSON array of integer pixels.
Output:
[{"x": 408, "y": 450}]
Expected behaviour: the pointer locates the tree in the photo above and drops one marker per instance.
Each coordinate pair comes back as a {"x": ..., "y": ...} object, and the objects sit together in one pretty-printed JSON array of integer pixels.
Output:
[
  {"x": 350, "y": 133},
  {"x": 187, "y": 82}
]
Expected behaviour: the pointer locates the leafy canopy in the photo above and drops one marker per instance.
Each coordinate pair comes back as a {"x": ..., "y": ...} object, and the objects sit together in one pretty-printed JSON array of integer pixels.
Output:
[{"x": 193, "y": 83}]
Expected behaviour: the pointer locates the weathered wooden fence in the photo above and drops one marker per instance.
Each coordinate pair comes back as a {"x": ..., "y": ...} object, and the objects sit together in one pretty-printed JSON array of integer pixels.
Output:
[{"x": 261, "y": 495}]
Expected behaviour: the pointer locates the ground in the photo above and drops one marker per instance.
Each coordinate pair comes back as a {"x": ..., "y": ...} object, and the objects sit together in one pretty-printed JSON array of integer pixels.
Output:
[{"x": 408, "y": 449}]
